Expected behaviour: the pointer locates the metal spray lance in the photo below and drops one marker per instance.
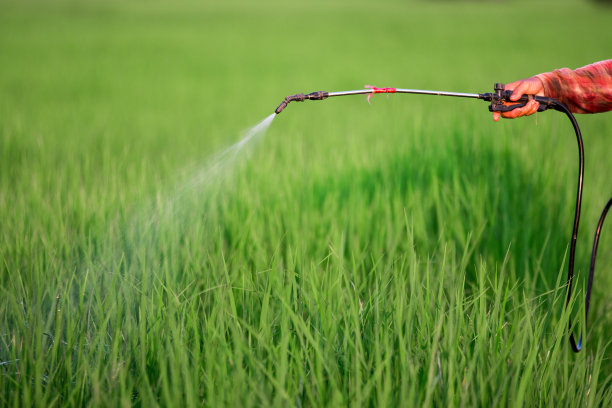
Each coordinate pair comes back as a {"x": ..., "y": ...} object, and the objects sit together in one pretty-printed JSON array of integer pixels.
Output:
[{"x": 499, "y": 99}]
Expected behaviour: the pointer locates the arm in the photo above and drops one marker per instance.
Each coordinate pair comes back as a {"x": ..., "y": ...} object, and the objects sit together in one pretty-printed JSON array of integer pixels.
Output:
[{"x": 585, "y": 90}]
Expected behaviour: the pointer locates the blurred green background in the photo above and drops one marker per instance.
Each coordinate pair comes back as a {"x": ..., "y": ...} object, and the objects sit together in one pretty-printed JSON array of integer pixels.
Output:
[{"x": 108, "y": 109}]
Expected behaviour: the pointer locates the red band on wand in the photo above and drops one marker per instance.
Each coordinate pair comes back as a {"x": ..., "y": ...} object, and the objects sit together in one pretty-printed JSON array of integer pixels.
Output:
[{"x": 376, "y": 90}]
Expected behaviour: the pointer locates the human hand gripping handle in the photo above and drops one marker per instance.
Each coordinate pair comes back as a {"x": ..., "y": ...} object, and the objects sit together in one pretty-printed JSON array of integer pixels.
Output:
[{"x": 529, "y": 86}]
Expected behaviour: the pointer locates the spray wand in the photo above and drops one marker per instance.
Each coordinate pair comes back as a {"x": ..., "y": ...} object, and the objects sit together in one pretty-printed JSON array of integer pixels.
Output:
[
  {"x": 500, "y": 102},
  {"x": 499, "y": 98}
]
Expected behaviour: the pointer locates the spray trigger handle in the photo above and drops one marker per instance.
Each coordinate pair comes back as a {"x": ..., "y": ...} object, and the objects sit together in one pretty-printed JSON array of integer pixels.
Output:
[
  {"x": 508, "y": 108},
  {"x": 501, "y": 97}
]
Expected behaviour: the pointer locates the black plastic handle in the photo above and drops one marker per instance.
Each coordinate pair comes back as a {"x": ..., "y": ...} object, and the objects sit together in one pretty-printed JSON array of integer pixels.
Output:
[{"x": 508, "y": 108}]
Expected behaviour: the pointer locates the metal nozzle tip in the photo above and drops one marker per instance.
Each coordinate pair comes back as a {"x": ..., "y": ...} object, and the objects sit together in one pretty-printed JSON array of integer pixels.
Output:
[{"x": 280, "y": 107}]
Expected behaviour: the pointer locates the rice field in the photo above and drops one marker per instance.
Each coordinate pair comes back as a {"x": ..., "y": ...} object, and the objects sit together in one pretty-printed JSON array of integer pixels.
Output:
[{"x": 407, "y": 252}]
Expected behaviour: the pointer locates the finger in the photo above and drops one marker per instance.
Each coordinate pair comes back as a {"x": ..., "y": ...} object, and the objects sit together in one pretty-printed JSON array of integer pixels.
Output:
[
  {"x": 531, "y": 86},
  {"x": 496, "y": 116},
  {"x": 515, "y": 113},
  {"x": 529, "y": 109},
  {"x": 522, "y": 88}
]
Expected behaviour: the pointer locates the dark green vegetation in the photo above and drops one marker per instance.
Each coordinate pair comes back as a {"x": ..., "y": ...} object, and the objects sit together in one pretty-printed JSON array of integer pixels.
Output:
[{"x": 406, "y": 253}]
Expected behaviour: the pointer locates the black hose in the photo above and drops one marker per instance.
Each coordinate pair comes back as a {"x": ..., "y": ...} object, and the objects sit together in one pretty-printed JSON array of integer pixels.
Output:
[{"x": 577, "y": 346}]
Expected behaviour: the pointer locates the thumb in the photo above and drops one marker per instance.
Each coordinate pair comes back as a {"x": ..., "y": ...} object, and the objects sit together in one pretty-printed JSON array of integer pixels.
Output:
[
  {"x": 496, "y": 116},
  {"x": 522, "y": 88}
]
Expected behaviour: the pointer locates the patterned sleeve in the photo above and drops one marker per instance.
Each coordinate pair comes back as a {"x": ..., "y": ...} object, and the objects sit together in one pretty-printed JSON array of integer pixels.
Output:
[{"x": 585, "y": 90}]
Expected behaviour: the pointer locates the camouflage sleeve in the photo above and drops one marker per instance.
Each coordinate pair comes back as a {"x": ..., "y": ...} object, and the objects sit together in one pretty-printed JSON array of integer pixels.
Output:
[{"x": 585, "y": 90}]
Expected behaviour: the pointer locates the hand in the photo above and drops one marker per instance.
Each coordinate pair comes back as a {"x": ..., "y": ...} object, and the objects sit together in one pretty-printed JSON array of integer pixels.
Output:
[{"x": 530, "y": 86}]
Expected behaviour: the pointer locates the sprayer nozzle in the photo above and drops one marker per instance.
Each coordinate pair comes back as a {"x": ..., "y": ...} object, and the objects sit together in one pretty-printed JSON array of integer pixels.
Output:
[
  {"x": 280, "y": 107},
  {"x": 316, "y": 96},
  {"x": 299, "y": 98}
]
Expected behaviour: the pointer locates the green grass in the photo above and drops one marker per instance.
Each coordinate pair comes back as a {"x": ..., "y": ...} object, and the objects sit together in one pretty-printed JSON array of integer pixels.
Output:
[{"x": 405, "y": 253}]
